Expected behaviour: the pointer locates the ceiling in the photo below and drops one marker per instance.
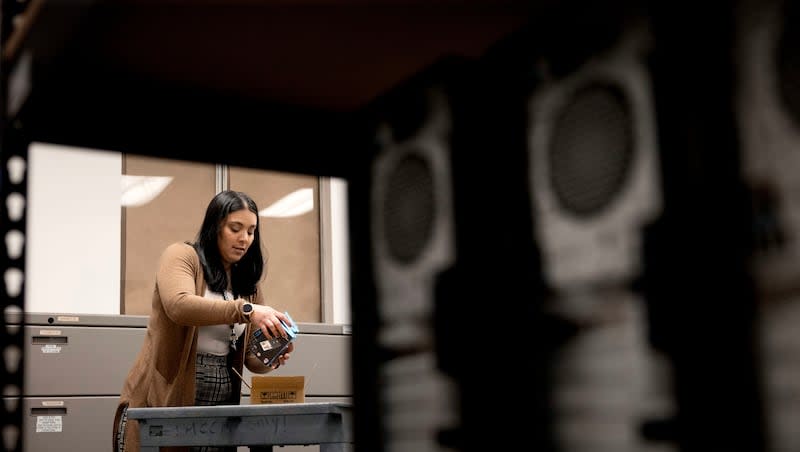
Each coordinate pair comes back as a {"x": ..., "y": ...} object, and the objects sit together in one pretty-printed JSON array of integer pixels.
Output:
[
  {"x": 322, "y": 54},
  {"x": 275, "y": 81}
]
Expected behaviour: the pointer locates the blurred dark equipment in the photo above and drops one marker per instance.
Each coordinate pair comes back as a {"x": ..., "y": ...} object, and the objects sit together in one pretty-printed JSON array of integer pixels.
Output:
[
  {"x": 768, "y": 114},
  {"x": 698, "y": 284},
  {"x": 583, "y": 223},
  {"x": 15, "y": 80},
  {"x": 413, "y": 403},
  {"x": 412, "y": 235},
  {"x": 595, "y": 184}
]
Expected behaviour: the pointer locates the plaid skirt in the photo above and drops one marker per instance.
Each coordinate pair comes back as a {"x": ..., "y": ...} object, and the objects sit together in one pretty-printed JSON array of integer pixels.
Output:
[{"x": 212, "y": 387}]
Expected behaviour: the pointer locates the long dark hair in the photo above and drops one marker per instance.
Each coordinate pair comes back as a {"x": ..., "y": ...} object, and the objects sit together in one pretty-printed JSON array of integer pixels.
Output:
[{"x": 245, "y": 274}]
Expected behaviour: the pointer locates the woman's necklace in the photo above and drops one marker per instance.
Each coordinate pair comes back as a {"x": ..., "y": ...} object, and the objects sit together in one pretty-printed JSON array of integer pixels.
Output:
[{"x": 233, "y": 330}]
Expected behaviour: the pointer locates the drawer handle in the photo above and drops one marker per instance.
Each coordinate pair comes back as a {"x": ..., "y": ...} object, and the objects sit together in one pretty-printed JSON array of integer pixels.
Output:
[
  {"x": 39, "y": 340},
  {"x": 48, "y": 411}
]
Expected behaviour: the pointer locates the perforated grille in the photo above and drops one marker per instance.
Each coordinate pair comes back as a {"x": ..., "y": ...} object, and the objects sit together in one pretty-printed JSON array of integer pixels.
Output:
[
  {"x": 591, "y": 149},
  {"x": 409, "y": 208}
]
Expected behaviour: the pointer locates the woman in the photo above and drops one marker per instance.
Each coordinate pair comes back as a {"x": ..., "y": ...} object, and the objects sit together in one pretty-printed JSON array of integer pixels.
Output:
[{"x": 206, "y": 301}]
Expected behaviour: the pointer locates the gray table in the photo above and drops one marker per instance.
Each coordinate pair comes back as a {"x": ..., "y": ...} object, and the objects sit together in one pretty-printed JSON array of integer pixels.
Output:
[{"x": 260, "y": 427}]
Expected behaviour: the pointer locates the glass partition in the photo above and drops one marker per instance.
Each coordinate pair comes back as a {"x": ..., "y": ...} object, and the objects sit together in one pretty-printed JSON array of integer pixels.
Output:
[{"x": 110, "y": 215}]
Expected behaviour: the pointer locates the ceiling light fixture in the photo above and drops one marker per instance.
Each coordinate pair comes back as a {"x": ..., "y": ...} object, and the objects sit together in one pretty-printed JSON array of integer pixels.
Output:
[
  {"x": 140, "y": 190},
  {"x": 294, "y": 204}
]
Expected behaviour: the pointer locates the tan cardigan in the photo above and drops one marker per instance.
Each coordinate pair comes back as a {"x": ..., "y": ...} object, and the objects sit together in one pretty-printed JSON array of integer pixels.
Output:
[{"x": 163, "y": 373}]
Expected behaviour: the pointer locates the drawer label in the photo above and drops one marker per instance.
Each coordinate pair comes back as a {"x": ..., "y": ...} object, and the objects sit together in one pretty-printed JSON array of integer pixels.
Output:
[
  {"x": 51, "y": 348},
  {"x": 50, "y": 332},
  {"x": 52, "y": 403},
  {"x": 48, "y": 424},
  {"x": 68, "y": 318}
]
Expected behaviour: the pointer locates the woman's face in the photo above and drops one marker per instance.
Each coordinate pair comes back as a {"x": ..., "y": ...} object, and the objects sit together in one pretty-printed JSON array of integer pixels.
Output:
[{"x": 236, "y": 235}]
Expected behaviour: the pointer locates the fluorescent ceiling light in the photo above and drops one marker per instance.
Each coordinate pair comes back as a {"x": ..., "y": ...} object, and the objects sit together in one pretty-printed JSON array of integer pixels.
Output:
[
  {"x": 294, "y": 204},
  {"x": 139, "y": 190}
]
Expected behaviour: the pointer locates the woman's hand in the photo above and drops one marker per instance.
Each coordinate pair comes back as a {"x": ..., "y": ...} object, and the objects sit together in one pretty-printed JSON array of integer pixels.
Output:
[
  {"x": 284, "y": 357},
  {"x": 269, "y": 320}
]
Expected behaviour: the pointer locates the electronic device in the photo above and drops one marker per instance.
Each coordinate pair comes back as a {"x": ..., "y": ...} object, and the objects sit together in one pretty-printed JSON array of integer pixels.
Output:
[{"x": 268, "y": 349}]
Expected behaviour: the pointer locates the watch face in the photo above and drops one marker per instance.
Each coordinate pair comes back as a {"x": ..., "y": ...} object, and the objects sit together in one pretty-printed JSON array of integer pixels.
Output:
[{"x": 248, "y": 308}]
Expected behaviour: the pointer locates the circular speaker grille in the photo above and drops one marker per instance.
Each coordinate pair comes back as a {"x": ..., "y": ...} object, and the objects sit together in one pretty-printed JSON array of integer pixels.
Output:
[
  {"x": 408, "y": 208},
  {"x": 591, "y": 149},
  {"x": 788, "y": 62}
]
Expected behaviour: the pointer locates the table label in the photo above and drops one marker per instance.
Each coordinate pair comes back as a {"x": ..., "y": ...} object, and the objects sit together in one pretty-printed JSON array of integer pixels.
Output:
[{"x": 212, "y": 427}]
